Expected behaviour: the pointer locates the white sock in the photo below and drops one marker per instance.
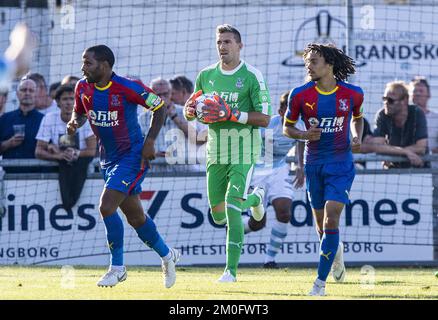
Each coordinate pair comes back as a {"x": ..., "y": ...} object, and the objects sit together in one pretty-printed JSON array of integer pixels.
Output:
[
  {"x": 118, "y": 268},
  {"x": 167, "y": 257},
  {"x": 319, "y": 283}
]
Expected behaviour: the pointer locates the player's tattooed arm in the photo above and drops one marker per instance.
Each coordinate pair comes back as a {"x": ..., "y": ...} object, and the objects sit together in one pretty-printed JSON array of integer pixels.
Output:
[
  {"x": 157, "y": 122},
  {"x": 77, "y": 120}
]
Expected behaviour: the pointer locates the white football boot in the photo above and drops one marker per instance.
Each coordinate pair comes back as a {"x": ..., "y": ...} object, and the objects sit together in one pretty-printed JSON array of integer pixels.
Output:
[
  {"x": 318, "y": 288},
  {"x": 338, "y": 266},
  {"x": 112, "y": 277},
  {"x": 227, "y": 277},
  {"x": 168, "y": 267},
  {"x": 258, "y": 211}
]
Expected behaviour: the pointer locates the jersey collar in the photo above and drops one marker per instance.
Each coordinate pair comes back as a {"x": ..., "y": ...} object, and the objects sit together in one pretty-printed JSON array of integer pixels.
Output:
[
  {"x": 327, "y": 92},
  {"x": 231, "y": 72},
  {"x": 107, "y": 86}
]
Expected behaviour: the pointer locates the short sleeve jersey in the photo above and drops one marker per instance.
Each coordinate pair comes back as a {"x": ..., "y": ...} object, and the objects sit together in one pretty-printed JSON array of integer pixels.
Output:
[
  {"x": 112, "y": 113},
  {"x": 244, "y": 89},
  {"x": 332, "y": 112}
]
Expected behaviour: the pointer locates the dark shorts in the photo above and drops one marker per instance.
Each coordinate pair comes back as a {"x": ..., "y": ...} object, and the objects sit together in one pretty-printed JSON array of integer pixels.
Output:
[
  {"x": 126, "y": 175},
  {"x": 330, "y": 181}
]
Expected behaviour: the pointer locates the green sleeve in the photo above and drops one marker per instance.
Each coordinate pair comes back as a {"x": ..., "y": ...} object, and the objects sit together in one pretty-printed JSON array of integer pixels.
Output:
[
  {"x": 260, "y": 98},
  {"x": 198, "y": 85}
]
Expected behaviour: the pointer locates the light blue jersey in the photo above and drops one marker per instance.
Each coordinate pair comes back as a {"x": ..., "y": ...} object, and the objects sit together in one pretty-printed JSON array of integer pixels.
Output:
[{"x": 276, "y": 143}]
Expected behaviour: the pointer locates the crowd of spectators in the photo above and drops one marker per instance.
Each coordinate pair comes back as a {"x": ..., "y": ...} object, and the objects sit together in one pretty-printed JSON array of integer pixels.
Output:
[{"x": 404, "y": 126}]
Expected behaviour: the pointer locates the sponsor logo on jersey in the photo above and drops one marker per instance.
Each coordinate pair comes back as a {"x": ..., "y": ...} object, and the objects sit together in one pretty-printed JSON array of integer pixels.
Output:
[
  {"x": 230, "y": 97},
  {"x": 211, "y": 82},
  {"x": 313, "y": 122},
  {"x": 104, "y": 118},
  {"x": 343, "y": 105},
  {"x": 330, "y": 124}
]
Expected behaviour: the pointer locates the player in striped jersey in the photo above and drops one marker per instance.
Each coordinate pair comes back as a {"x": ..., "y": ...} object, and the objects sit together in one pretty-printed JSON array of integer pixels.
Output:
[
  {"x": 330, "y": 108},
  {"x": 110, "y": 104}
]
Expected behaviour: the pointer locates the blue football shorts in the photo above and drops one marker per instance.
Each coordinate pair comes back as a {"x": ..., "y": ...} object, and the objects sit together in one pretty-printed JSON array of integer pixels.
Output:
[
  {"x": 329, "y": 181},
  {"x": 125, "y": 175}
]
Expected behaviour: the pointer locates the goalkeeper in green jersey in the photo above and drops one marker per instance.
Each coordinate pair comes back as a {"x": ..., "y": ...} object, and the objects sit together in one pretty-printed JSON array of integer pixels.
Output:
[{"x": 234, "y": 142}]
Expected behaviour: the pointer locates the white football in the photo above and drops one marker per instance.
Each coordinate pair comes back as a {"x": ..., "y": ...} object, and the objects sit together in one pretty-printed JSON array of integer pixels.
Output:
[{"x": 200, "y": 103}]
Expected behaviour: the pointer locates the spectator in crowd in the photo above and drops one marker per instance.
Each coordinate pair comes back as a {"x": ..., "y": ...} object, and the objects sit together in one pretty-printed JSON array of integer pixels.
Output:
[
  {"x": 19, "y": 128},
  {"x": 70, "y": 80},
  {"x": 74, "y": 152},
  {"x": 52, "y": 89},
  {"x": 420, "y": 95},
  {"x": 3, "y": 99},
  {"x": 52, "y": 142},
  {"x": 43, "y": 103},
  {"x": 175, "y": 126},
  {"x": 14, "y": 63},
  {"x": 182, "y": 88},
  {"x": 400, "y": 128}
]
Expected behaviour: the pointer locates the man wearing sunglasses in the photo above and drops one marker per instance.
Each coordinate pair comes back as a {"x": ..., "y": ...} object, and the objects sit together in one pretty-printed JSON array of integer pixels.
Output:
[{"x": 400, "y": 128}]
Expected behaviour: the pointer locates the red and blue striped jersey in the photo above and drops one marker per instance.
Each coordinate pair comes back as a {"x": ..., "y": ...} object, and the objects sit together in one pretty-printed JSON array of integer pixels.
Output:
[
  {"x": 332, "y": 112},
  {"x": 112, "y": 113}
]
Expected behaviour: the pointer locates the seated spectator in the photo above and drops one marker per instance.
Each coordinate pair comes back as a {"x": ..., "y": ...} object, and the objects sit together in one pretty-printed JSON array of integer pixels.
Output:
[
  {"x": 3, "y": 99},
  {"x": 52, "y": 141},
  {"x": 400, "y": 128},
  {"x": 43, "y": 102},
  {"x": 74, "y": 153},
  {"x": 182, "y": 88},
  {"x": 420, "y": 94},
  {"x": 19, "y": 128},
  {"x": 175, "y": 126},
  {"x": 70, "y": 80},
  {"x": 52, "y": 89}
]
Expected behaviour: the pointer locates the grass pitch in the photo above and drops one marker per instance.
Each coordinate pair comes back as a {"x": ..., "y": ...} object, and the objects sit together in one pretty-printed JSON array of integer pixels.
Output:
[{"x": 193, "y": 283}]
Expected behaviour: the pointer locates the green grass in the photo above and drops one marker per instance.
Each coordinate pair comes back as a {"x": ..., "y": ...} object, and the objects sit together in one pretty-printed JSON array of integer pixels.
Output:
[{"x": 200, "y": 283}]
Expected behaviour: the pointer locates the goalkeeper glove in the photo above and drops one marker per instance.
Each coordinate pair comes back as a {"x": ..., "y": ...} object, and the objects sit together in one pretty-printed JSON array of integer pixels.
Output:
[
  {"x": 190, "y": 106},
  {"x": 220, "y": 111}
]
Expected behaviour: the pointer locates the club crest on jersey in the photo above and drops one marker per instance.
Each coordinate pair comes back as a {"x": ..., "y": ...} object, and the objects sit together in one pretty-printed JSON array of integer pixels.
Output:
[
  {"x": 343, "y": 105},
  {"x": 239, "y": 83},
  {"x": 115, "y": 100}
]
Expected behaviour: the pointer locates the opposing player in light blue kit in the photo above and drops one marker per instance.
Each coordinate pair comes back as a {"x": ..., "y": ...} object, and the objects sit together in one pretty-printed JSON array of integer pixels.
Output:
[
  {"x": 273, "y": 176},
  {"x": 331, "y": 110},
  {"x": 110, "y": 104}
]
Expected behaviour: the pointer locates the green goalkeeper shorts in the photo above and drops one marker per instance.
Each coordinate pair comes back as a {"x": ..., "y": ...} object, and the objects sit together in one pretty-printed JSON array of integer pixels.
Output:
[{"x": 227, "y": 180}]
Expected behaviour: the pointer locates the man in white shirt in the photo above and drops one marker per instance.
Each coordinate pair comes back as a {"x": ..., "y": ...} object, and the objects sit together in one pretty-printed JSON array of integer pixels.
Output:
[{"x": 52, "y": 141}]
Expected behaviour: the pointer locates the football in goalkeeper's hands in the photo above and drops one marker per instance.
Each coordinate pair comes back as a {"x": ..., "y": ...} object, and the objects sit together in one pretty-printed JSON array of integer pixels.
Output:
[{"x": 203, "y": 100}]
